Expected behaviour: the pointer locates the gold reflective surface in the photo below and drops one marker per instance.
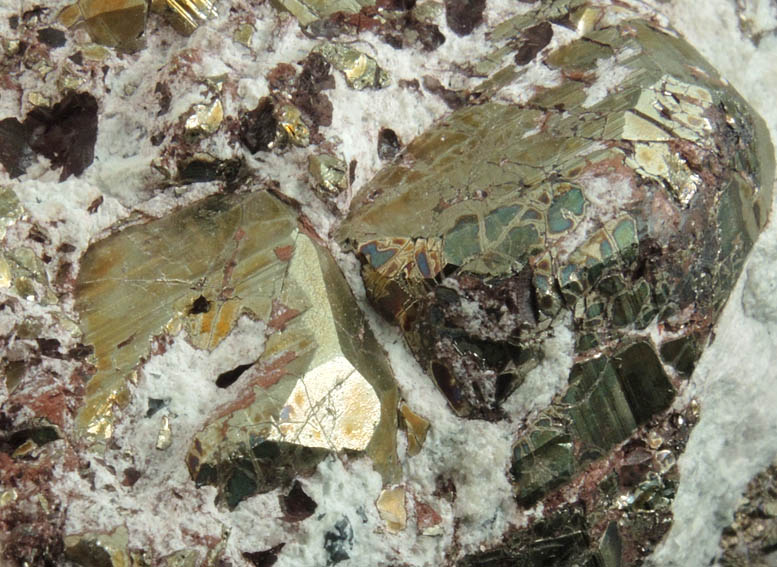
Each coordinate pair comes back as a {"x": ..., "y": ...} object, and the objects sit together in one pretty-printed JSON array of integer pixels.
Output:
[
  {"x": 360, "y": 70},
  {"x": 115, "y": 23}
]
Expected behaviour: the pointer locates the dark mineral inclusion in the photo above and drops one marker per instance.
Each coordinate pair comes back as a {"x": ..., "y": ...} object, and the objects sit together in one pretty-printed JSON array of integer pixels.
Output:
[{"x": 630, "y": 211}]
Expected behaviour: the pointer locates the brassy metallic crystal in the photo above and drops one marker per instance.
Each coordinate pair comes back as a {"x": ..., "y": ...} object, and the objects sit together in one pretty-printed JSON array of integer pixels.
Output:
[{"x": 626, "y": 206}]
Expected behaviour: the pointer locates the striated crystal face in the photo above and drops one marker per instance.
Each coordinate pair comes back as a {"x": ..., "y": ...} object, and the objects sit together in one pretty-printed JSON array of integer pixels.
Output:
[{"x": 629, "y": 204}]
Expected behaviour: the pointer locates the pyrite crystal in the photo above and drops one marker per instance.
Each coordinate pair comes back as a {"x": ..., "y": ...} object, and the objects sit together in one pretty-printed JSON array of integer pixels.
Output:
[
  {"x": 119, "y": 23},
  {"x": 322, "y": 384},
  {"x": 630, "y": 206},
  {"x": 576, "y": 218}
]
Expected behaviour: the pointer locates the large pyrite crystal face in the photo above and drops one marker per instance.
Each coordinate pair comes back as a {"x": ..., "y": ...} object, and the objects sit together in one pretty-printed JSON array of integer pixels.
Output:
[
  {"x": 629, "y": 204},
  {"x": 322, "y": 384}
]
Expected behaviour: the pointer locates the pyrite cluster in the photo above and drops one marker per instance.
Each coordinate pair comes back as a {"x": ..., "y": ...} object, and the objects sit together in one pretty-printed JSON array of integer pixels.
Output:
[{"x": 620, "y": 209}]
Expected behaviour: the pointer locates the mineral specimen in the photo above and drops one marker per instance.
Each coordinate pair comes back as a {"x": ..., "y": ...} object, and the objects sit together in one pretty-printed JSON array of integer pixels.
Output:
[
  {"x": 187, "y": 15},
  {"x": 621, "y": 509},
  {"x": 322, "y": 384},
  {"x": 361, "y": 71},
  {"x": 205, "y": 119},
  {"x": 297, "y": 505},
  {"x": 329, "y": 175},
  {"x": 560, "y": 540},
  {"x": 265, "y": 558},
  {"x": 114, "y": 23},
  {"x": 339, "y": 541},
  {"x": 574, "y": 218},
  {"x": 65, "y": 133},
  {"x": 391, "y": 506},
  {"x": 388, "y": 144},
  {"x": 308, "y": 11},
  {"x": 606, "y": 399},
  {"x": 10, "y": 209},
  {"x": 271, "y": 125},
  {"x": 629, "y": 205},
  {"x": 121, "y": 23},
  {"x": 463, "y": 16},
  {"x": 98, "y": 549}
]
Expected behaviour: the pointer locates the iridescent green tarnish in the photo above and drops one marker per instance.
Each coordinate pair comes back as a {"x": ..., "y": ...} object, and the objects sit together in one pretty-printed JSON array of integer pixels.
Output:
[
  {"x": 241, "y": 255},
  {"x": 607, "y": 398},
  {"x": 624, "y": 206}
]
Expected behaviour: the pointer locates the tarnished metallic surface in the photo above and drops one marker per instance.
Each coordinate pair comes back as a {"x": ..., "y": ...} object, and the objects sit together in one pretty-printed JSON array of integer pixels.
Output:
[
  {"x": 630, "y": 204},
  {"x": 165, "y": 436},
  {"x": 25, "y": 274},
  {"x": 329, "y": 174},
  {"x": 308, "y": 11},
  {"x": 361, "y": 71},
  {"x": 291, "y": 128},
  {"x": 607, "y": 398},
  {"x": 625, "y": 206},
  {"x": 322, "y": 384},
  {"x": 114, "y": 23},
  {"x": 121, "y": 23},
  {"x": 214, "y": 250},
  {"x": 416, "y": 428},
  {"x": 621, "y": 509},
  {"x": 99, "y": 549},
  {"x": 244, "y": 34},
  {"x": 603, "y": 185}
]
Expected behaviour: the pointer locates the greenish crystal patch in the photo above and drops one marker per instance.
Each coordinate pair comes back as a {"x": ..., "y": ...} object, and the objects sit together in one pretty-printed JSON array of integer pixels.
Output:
[
  {"x": 462, "y": 242},
  {"x": 607, "y": 399},
  {"x": 629, "y": 209}
]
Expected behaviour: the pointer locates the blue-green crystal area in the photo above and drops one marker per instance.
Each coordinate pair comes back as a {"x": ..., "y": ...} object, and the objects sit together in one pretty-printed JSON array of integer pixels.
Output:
[{"x": 630, "y": 208}]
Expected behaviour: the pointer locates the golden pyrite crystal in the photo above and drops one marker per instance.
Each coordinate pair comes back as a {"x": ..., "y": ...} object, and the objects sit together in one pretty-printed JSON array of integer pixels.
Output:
[
  {"x": 322, "y": 385},
  {"x": 121, "y": 23}
]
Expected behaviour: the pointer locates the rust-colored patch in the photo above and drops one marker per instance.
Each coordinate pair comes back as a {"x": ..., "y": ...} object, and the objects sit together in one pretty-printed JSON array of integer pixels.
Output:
[
  {"x": 280, "y": 76},
  {"x": 281, "y": 314},
  {"x": 307, "y": 227},
  {"x": 269, "y": 373},
  {"x": 159, "y": 344},
  {"x": 229, "y": 267},
  {"x": 284, "y": 253},
  {"x": 225, "y": 410},
  {"x": 427, "y": 517},
  {"x": 54, "y": 397}
]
